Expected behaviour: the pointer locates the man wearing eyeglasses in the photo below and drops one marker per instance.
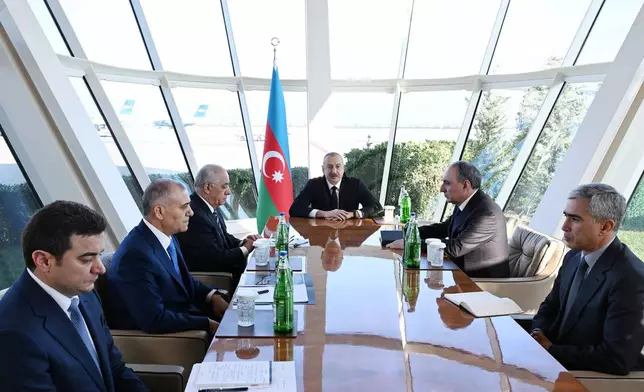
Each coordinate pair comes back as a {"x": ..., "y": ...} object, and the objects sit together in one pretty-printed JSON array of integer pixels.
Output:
[{"x": 207, "y": 245}]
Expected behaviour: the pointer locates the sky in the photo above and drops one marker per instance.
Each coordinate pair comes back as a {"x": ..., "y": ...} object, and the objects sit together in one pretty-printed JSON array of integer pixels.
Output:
[{"x": 447, "y": 39}]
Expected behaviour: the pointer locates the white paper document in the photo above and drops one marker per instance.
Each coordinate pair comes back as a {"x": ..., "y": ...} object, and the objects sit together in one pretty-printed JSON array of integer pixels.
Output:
[
  {"x": 282, "y": 375},
  {"x": 299, "y": 295},
  {"x": 234, "y": 374},
  {"x": 484, "y": 304}
]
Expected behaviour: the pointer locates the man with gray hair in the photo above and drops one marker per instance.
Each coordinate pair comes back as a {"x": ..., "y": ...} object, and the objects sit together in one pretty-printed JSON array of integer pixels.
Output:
[
  {"x": 149, "y": 285},
  {"x": 475, "y": 235},
  {"x": 207, "y": 245},
  {"x": 593, "y": 319}
]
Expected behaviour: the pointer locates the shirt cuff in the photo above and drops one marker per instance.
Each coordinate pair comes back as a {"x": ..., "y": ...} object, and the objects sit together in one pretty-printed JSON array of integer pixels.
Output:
[
  {"x": 210, "y": 294},
  {"x": 313, "y": 213},
  {"x": 244, "y": 250},
  {"x": 359, "y": 213}
]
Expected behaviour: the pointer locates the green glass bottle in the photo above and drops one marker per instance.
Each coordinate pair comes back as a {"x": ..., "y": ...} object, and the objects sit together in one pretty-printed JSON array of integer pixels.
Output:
[
  {"x": 281, "y": 243},
  {"x": 412, "y": 244},
  {"x": 405, "y": 208},
  {"x": 283, "y": 296}
]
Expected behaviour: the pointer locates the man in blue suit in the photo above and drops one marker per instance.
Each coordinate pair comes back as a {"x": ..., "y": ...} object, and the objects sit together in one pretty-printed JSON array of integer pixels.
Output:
[
  {"x": 52, "y": 332},
  {"x": 593, "y": 319},
  {"x": 149, "y": 286}
]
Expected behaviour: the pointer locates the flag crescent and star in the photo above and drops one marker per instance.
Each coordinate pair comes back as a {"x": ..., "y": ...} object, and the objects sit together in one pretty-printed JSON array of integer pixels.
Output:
[{"x": 276, "y": 184}]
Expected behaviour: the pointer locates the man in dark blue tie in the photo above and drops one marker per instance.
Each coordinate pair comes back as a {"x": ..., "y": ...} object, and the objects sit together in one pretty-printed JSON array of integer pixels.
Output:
[
  {"x": 593, "y": 319},
  {"x": 207, "y": 245},
  {"x": 53, "y": 336},
  {"x": 149, "y": 285}
]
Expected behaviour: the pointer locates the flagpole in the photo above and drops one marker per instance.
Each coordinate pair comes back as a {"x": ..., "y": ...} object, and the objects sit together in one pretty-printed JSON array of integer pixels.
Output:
[{"x": 275, "y": 42}]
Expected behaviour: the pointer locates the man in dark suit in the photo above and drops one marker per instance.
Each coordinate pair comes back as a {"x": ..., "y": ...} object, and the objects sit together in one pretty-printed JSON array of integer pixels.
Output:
[
  {"x": 53, "y": 336},
  {"x": 149, "y": 285},
  {"x": 475, "y": 235},
  {"x": 335, "y": 196},
  {"x": 206, "y": 245},
  {"x": 593, "y": 319}
]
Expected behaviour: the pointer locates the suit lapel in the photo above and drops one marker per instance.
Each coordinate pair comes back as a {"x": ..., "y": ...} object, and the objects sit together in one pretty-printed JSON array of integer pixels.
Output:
[
  {"x": 210, "y": 216},
  {"x": 60, "y": 327},
  {"x": 96, "y": 331},
  {"x": 567, "y": 276},
  {"x": 161, "y": 254},
  {"x": 591, "y": 284},
  {"x": 327, "y": 194}
]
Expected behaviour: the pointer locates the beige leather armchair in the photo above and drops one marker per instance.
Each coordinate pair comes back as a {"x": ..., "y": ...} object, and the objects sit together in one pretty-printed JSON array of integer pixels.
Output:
[
  {"x": 600, "y": 382},
  {"x": 160, "y": 378},
  {"x": 535, "y": 260},
  {"x": 182, "y": 349}
]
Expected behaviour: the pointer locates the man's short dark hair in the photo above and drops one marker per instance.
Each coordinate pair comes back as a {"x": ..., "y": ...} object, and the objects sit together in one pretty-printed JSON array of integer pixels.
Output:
[
  {"x": 469, "y": 172},
  {"x": 51, "y": 228}
]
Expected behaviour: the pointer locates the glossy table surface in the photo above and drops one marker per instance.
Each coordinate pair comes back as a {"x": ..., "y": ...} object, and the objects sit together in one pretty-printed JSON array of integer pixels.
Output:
[{"x": 377, "y": 327}]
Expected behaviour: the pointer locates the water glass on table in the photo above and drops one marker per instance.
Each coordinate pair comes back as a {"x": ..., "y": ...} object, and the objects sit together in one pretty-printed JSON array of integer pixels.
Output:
[
  {"x": 432, "y": 248},
  {"x": 246, "y": 307},
  {"x": 262, "y": 251},
  {"x": 389, "y": 214}
]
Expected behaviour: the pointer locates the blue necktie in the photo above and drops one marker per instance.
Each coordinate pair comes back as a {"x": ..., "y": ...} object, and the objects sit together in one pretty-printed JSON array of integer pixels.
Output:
[
  {"x": 574, "y": 290},
  {"x": 79, "y": 324},
  {"x": 173, "y": 256}
]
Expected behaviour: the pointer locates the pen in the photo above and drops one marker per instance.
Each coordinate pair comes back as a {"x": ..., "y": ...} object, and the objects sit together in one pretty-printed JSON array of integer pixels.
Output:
[
  {"x": 262, "y": 292},
  {"x": 240, "y": 389}
]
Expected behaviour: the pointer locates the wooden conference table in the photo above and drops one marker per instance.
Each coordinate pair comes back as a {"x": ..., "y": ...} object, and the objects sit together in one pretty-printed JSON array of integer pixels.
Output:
[{"x": 378, "y": 327}]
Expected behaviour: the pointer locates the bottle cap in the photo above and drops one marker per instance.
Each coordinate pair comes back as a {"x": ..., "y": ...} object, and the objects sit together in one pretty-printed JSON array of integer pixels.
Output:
[
  {"x": 283, "y": 253},
  {"x": 413, "y": 214},
  {"x": 282, "y": 213}
]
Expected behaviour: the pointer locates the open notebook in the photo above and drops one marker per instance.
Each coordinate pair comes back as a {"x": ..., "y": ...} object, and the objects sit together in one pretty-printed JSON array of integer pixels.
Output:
[{"x": 484, "y": 304}]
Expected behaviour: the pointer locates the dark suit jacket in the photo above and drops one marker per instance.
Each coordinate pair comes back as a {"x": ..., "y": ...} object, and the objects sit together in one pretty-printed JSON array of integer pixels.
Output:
[
  {"x": 477, "y": 238},
  {"x": 145, "y": 292},
  {"x": 41, "y": 351},
  {"x": 604, "y": 331},
  {"x": 207, "y": 248},
  {"x": 316, "y": 196}
]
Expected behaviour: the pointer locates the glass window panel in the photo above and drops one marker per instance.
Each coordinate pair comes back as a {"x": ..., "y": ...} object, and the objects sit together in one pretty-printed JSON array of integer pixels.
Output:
[
  {"x": 298, "y": 140},
  {"x": 108, "y": 32},
  {"x": 214, "y": 126},
  {"x": 255, "y": 22},
  {"x": 428, "y": 126},
  {"x": 359, "y": 130},
  {"x": 610, "y": 29},
  {"x": 366, "y": 38},
  {"x": 632, "y": 230},
  {"x": 146, "y": 122},
  {"x": 190, "y": 38},
  {"x": 502, "y": 121},
  {"x": 536, "y": 35},
  {"x": 18, "y": 202},
  {"x": 441, "y": 43},
  {"x": 551, "y": 147},
  {"x": 49, "y": 27},
  {"x": 108, "y": 140}
]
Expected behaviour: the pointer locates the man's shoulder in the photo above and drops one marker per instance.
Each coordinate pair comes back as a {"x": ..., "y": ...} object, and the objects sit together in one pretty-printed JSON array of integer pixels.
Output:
[
  {"x": 627, "y": 265},
  {"x": 16, "y": 304}
]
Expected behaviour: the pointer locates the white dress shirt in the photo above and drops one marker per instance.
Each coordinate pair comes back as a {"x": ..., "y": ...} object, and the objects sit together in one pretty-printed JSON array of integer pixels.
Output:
[
  {"x": 464, "y": 204},
  {"x": 212, "y": 211},
  {"x": 165, "y": 241},
  {"x": 592, "y": 257},
  {"x": 329, "y": 185},
  {"x": 61, "y": 299}
]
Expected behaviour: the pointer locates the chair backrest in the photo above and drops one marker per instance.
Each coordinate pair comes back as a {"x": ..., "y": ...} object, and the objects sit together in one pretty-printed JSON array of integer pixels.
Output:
[{"x": 533, "y": 253}]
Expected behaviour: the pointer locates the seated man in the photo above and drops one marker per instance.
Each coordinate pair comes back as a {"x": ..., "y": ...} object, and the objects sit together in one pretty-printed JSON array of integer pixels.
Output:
[
  {"x": 206, "y": 245},
  {"x": 593, "y": 319},
  {"x": 53, "y": 336},
  {"x": 477, "y": 239},
  {"x": 335, "y": 196},
  {"x": 149, "y": 285}
]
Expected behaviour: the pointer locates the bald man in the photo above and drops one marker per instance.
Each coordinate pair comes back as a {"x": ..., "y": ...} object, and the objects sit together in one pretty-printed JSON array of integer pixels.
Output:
[{"x": 207, "y": 245}]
